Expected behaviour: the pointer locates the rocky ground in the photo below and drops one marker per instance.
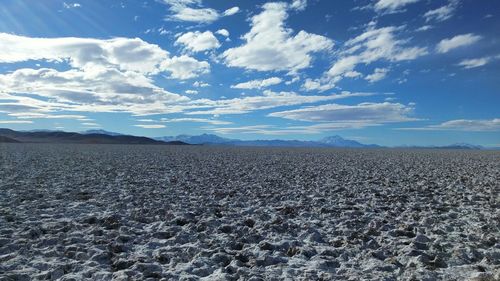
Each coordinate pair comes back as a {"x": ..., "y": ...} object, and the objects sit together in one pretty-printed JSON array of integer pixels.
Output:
[{"x": 104, "y": 212}]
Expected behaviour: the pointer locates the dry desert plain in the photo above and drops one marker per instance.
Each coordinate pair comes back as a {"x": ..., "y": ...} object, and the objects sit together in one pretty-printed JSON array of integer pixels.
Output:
[{"x": 120, "y": 212}]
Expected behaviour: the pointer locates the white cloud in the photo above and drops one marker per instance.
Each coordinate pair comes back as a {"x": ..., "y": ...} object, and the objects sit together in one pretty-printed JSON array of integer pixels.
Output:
[
  {"x": 198, "y": 41},
  {"x": 375, "y": 113},
  {"x": 319, "y": 85},
  {"x": 94, "y": 55},
  {"x": 268, "y": 100},
  {"x": 197, "y": 120},
  {"x": 271, "y": 46},
  {"x": 373, "y": 45},
  {"x": 258, "y": 84},
  {"x": 352, "y": 74},
  {"x": 223, "y": 32},
  {"x": 200, "y": 84},
  {"x": 205, "y": 15},
  {"x": 294, "y": 79},
  {"x": 147, "y": 126},
  {"x": 477, "y": 62},
  {"x": 182, "y": 10},
  {"x": 88, "y": 124},
  {"x": 71, "y": 5},
  {"x": 392, "y": 5},
  {"x": 114, "y": 75},
  {"x": 231, "y": 11},
  {"x": 255, "y": 129},
  {"x": 448, "y": 44},
  {"x": 424, "y": 28},
  {"x": 34, "y": 115},
  {"x": 15, "y": 122},
  {"x": 473, "y": 63},
  {"x": 185, "y": 67},
  {"x": 96, "y": 90},
  {"x": 128, "y": 54},
  {"x": 442, "y": 13},
  {"x": 191, "y": 92},
  {"x": 291, "y": 130},
  {"x": 299, "y": 5},
  {"x": 463, "y": 125},
  {"x": 377, "y": 75}
]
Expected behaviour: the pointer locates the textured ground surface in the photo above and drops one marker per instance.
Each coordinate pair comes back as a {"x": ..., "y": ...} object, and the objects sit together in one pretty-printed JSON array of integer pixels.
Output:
[{"x": 102, "y": 212}]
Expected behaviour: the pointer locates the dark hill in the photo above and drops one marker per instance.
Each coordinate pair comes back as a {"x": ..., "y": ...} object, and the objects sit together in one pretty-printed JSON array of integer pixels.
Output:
[{"x": 66, "y": 137}]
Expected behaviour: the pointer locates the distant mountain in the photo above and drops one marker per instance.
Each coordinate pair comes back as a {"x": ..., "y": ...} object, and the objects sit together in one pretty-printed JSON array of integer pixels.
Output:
[
  {"x": 106, "y": 137},
  {"x": 102, "y": 132},
  {"x": 65, "y": 137},
  {"x": 450, "y": 146},
  {"x": 338, "y": 141},
  {"x": 201, "y": 139},
  {"x": 210, "y": 139},
  {"x": 463, "y": 146}
]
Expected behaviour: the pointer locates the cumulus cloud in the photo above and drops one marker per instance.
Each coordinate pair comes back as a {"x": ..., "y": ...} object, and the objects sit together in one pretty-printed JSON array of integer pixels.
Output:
[
  {"x": 477, "y": 62},
  {"x": 269, "y": 45},
  {"x": 205, "y": 15},
  {"x": 193, "y": 11},
  {"x": 258, "y": 84},
  {"x": 200, "y": 84},
  {"x": 442, "y": 13},
  {"x": 320, "y": 85},
  {"x": 392, "y": 5},
  {"x": 114, "y": 75},
  {"x": 299, "y": 5},
  {"x": 377, "y": 75},
  {"x": 131, "y": 54},
  {"x": 375, "y": 113},
  {"x": 198, "y": 41},
  {"x": 124, "y": 54},
  {"x": 449, "y": 44},
  {"x": 191, "y": 92},
  {"x": 185, "y": 67},
  {"x": 223, "y": 32},
  {"x": 469, "y": 125},
  {"x": 231, "y": 11},
  {"x": 96, "y": 90},
  {"x": 375, "y": 44},
  {"x": 424, "y": 28}
]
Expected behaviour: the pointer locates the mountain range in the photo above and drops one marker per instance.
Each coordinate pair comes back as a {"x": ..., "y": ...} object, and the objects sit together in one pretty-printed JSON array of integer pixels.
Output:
[
  {"x": 107, "y": 137},
  {"x": 44, "y": 136},
  {"x": 331, "y": 141},
  {"x": 210, "y": 139}
]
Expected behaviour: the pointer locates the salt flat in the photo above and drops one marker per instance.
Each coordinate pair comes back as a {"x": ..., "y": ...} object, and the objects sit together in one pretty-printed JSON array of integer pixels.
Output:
[{"x": 103, "y": 212}]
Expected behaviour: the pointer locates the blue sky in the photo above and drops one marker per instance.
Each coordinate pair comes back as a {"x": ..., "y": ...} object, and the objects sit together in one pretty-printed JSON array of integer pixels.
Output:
[{"x": 389, "y": 72}]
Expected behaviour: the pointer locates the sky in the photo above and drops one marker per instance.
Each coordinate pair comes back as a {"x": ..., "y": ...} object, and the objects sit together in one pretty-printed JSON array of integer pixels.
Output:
[{"x": 390, "y": 72}]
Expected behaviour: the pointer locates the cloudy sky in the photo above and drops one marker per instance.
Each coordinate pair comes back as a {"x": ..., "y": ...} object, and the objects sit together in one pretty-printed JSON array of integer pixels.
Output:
[{"x": 379, "y": 71}]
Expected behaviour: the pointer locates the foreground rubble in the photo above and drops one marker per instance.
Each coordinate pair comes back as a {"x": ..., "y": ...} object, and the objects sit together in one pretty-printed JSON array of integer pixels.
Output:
[{"x": 75, "y": 212}]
